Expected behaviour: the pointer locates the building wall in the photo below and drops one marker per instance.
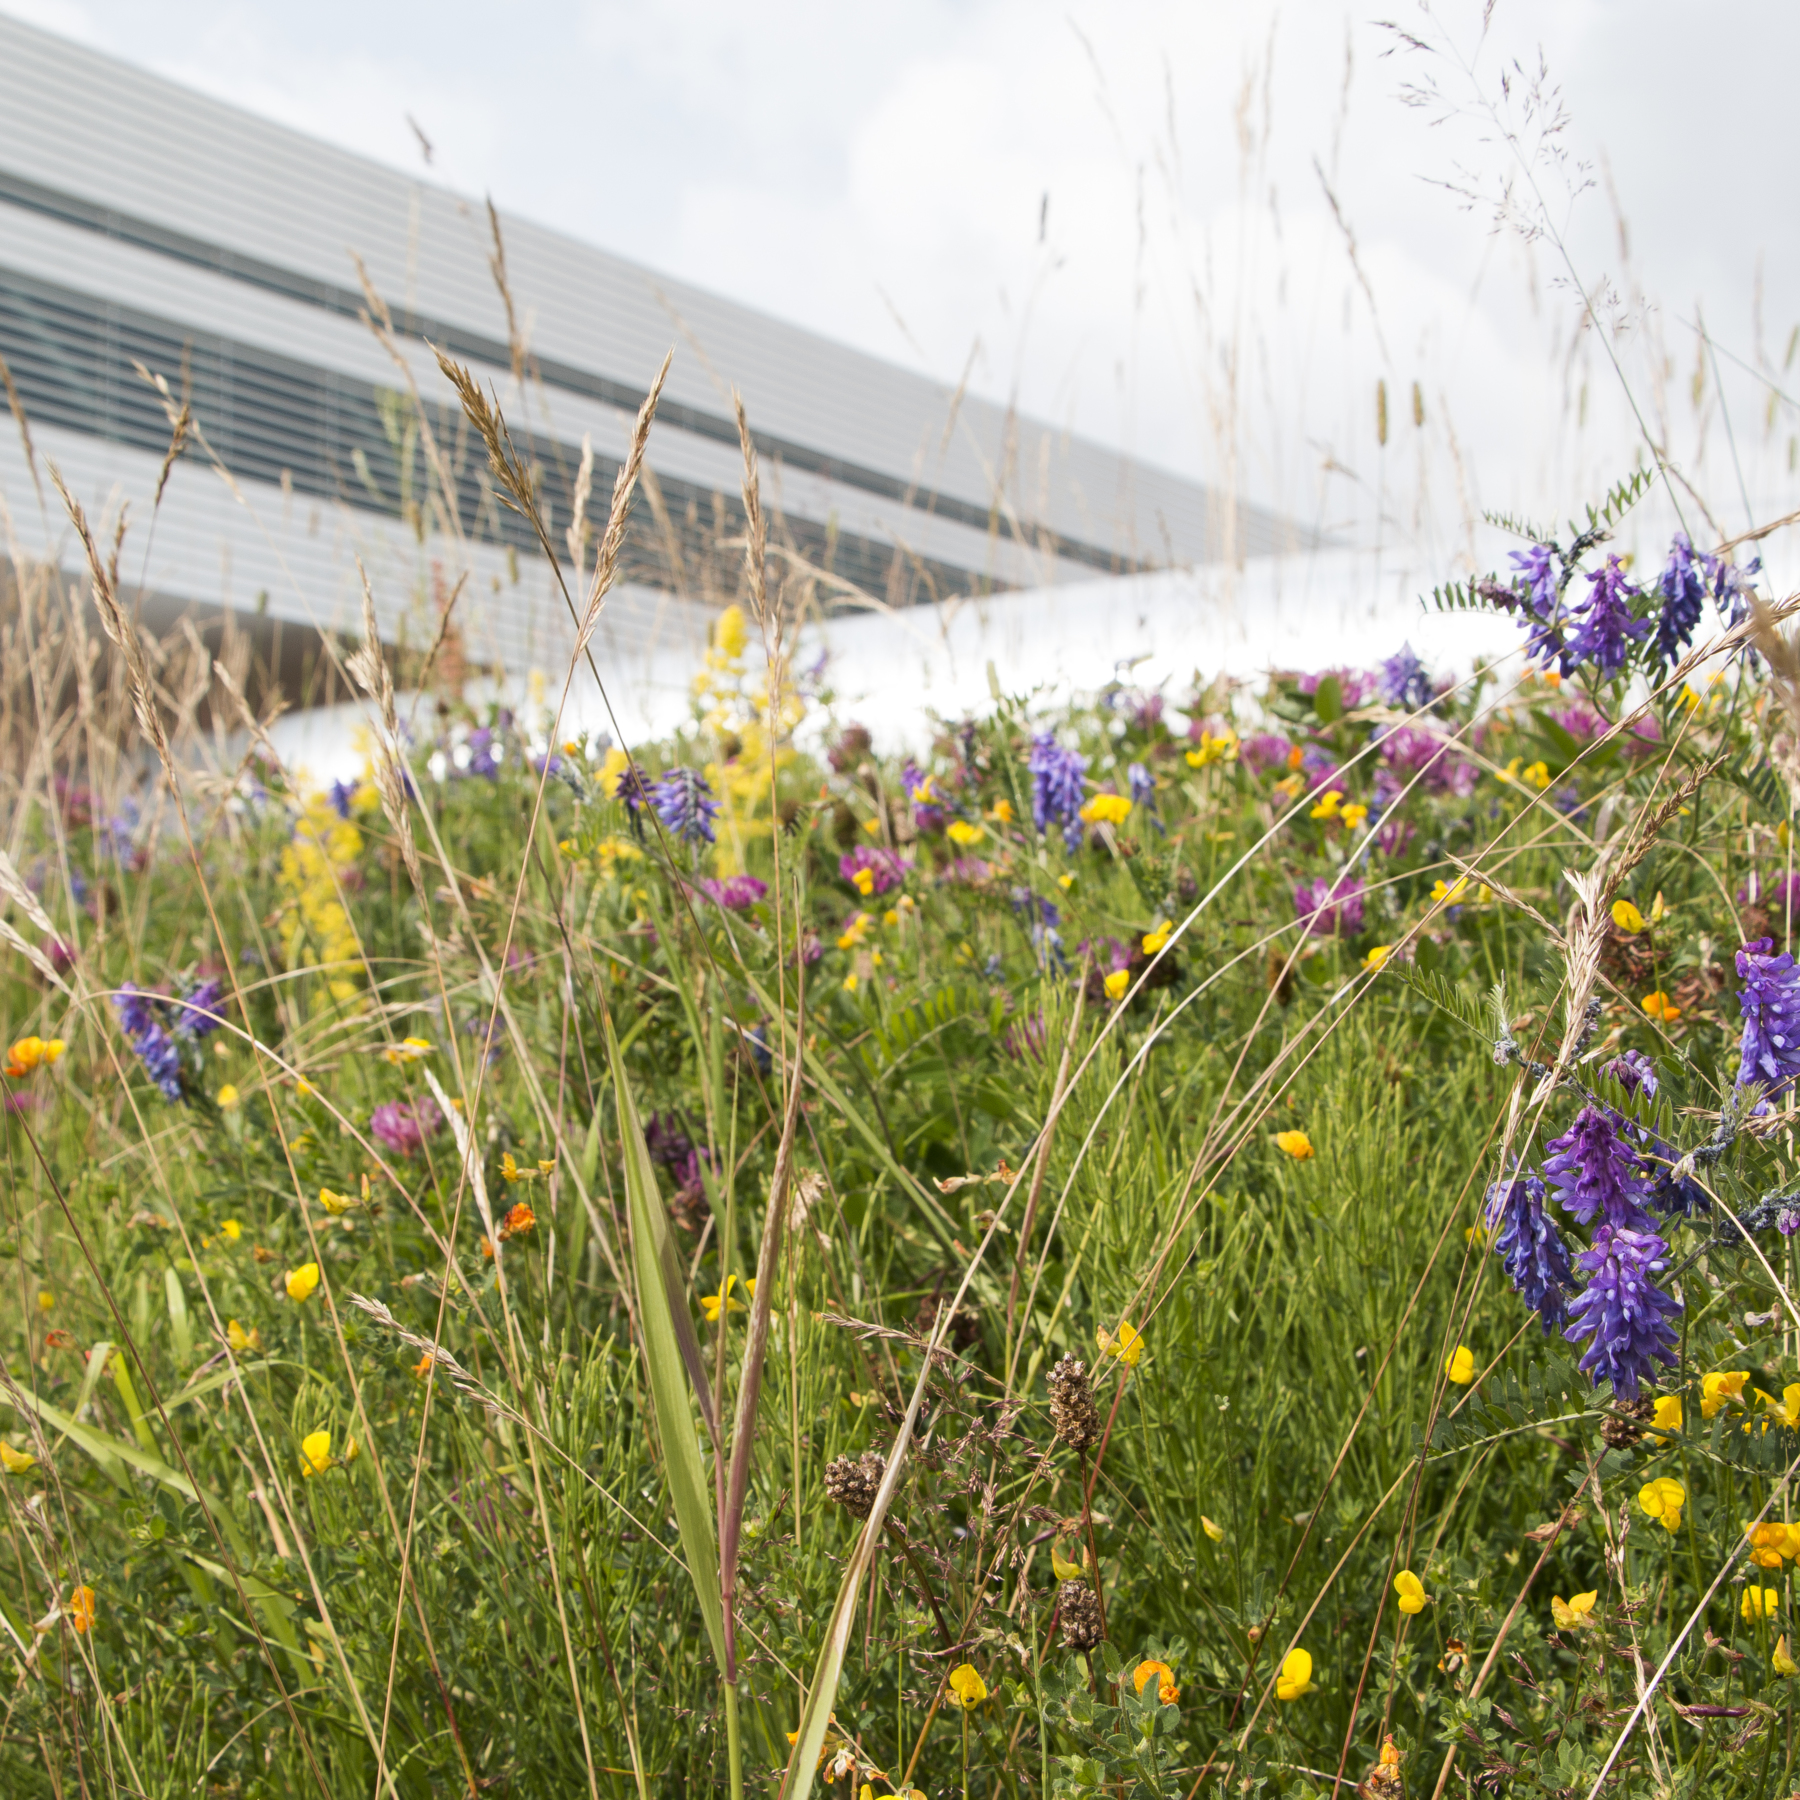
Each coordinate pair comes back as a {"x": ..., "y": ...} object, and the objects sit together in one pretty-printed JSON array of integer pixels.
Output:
[{"x": 143, "y": 223}]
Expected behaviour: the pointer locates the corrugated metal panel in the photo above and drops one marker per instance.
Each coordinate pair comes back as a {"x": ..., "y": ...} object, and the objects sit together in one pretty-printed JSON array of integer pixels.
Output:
[{"x": 83, "y": 123}]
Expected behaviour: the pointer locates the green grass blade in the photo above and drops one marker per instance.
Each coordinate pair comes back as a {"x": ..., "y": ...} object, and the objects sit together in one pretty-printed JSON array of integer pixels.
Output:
[{"x": 651, "y": 1254}]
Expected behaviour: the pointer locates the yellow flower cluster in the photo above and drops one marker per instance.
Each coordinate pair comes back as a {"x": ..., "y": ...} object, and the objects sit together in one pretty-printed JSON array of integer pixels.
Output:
[{"x": 315, "y": 929}]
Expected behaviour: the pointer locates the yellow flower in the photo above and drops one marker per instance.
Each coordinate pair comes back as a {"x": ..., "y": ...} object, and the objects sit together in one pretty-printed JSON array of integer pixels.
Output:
[
  {"x": 227, "y": 1097},
  {"x": 302, "y": 1281},
  {"x": 1538, "y": 775},
  {"x": 1223, "y": 748},
  {"x": 714, "y": 1303},
  {"x": 1787, "y": 1412},
  {"x": 1128, "y": 1346},
  {"x": 1759, "y": 1603},
  {"x": 1451, "y": 893},
  {"x": 1781, "y": 1662},
  {"x": 1065, "y": 882},
  {"x": 1668, "y": 1416},
  {"x": 1215, "y": 1532},
  {"x": 16, "y": 1462},
  {"x": 1627, "y": 917},
  {"x": 241, "y": 1340},
  {"x": 1378, "y": 957},
  {"x": 1166, "y": 1690},
  {"x": 959, "y": 831},
  {"x": 30, "y": 1053},
  {"x": 1107, "y": 809},
  {"x": 407, "y": 1050},
  {"x": 1295, "y": 1144},
  {"x": 335, "y": 1204},
  {"x": 1295, "y": 1678},
  {"x": 1663, "y": 1499},
  {"x": 1001, "y": 812},
  {"x": 1353, "y": 814},
  {"x": 1660, "y": 1007},
  {"x": 82, "y": 1610},
  {"x": 1578, "y": 1611},
  {"x": 852, "y": 982},
  {"x": 315, "y": 1451},
  {"x": 1459, "y": 1365},
  {"x": 872, "y": 827},
  {"x": 1770, "y": 1543},
  {"x": 1724, "y": 1387},
  {"x": 854, "y": 933},
  {"x": 1157, "y": 936},
  {"x": 1411, "y": 1591},
  {"x": 1328, "y": 804},
  {"x": 46, "y": 1300},
  {"x": 966, "y": 1684},
  {"x": 1116, "y": 983},
  {"x": 1290, "y": 785},
  {"x": 730, "y": 633},
  {"x": 864, "y": 880},
  {"x": 1062, "y": 1567}
]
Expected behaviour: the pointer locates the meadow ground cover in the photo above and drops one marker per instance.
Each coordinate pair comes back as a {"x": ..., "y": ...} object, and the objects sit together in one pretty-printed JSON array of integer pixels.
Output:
[{"x": 1178, "y": 1244}]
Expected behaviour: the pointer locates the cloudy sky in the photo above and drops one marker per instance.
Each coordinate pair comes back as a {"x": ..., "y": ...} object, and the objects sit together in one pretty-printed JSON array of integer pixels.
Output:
[{"x": 1201, "y": 230}]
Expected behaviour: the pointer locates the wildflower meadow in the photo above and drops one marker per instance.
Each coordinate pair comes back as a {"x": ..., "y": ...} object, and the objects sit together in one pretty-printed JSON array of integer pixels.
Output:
[{"x": 1183, "y": 1243}]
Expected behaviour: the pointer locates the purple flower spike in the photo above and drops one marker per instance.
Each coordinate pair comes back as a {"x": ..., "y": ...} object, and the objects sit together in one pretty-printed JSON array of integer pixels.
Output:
[
  {"x": 1607, "y": 627},
  {"x": 1770, "y": 1002},
  {"x": 1531, "y": 1248},
  {"x": 1622, "y": 1310},
  {"x": 1683, "y": 590},
  {"x": 686, "y": 806},
  {"x": 1405, "y": 685},
  {"x": 1595, "y": 1172},
  {"x": 140, "y": 1018},
  {"x": 1056, "y": 787}
]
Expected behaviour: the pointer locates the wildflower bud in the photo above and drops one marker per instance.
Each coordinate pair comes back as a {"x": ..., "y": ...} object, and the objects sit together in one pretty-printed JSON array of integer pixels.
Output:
[
  {"x": 1080, "y": 1613},
  {"x": 853, "y": 1481},
  {"x": 1072, "y": 1414},
  {"x": 1620, "y": 1429}
]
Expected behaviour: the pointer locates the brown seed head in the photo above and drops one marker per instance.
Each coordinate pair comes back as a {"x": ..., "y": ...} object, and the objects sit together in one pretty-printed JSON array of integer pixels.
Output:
[
  {"x": 1080, "y": 1615},
  {"x": 853, "y": 1481},
  {"x": 1072, "y": 1414}
]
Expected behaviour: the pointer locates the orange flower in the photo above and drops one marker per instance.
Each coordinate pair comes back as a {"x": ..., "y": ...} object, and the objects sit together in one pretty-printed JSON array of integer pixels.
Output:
[
  {"x": 81, "y": 1609},
  {"x": 29, "y": 1052},
  {"x": 520, "y": 1220},
  {"x": 1166, "y": 1690},
  {"x": 1660, "y": 1007}
]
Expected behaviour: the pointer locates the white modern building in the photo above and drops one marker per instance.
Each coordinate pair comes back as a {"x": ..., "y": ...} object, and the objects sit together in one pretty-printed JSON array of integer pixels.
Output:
[{"x": 147, "y": 231}]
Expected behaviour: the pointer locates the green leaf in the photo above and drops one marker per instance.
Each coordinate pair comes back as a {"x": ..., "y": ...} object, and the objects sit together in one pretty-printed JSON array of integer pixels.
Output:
[
  {"x": 1328, "y": 700},
  {"x": 652, "y": 1254}
]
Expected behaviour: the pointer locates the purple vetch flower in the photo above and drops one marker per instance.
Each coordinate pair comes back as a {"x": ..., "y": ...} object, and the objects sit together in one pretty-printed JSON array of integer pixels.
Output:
[
  {"x": 140, "y": 1018},
  {"x": 1733, "y": 586},
  {"x": 1536, "y": 592},
  {"x": 736, "y": 893},
  {"x": 402, "y": 1126},
  {"x": 1393, "y": 837},
  {"x": 1581, "y": 722},
  {"x": 1142, "y": 785},
  {"x": 1265, "y": 751},
  {"x": 1144, "y": 711},
  {"x": 340, "y": 794},
  {"x": 922, "y": 792},
  {"x": 1330, "y": 908},
  {"x": 484, "y": 754},
  {"x": 685, "y": 804},
  {"x": 1607, "y": 627},
  {"x": 1621, "y": 1314},
  {"x": 1683, "y": 589},
  {"x": 1405, "y": 684},
  {"x": 1671, "y": 1193},
  {"x": 1770, "y": 1002},
  {"x": 1596, "y": 1172},
  {"x": 1056, "y": 787},
  {"x": 1531, "y": 1248},
  {"x": 1634, "y": 1072},
  {"x": 201, "y": 1015},
  {"x": 886, "y": 870}
]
